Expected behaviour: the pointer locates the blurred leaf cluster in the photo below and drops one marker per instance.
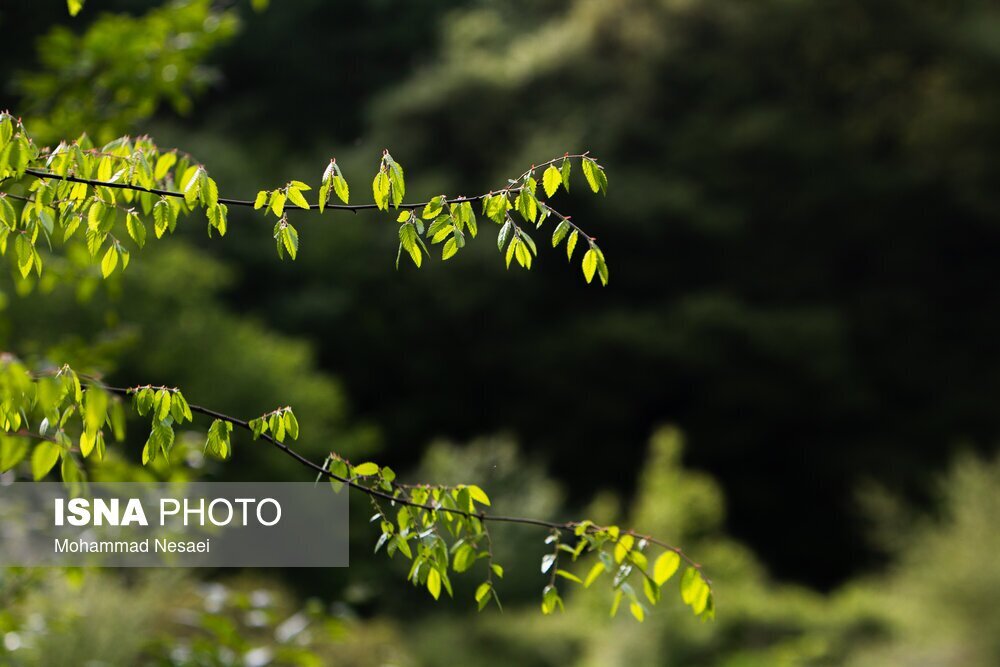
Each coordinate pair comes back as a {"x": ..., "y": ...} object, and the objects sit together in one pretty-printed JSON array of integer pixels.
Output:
[{"x": 121, "y": 69}]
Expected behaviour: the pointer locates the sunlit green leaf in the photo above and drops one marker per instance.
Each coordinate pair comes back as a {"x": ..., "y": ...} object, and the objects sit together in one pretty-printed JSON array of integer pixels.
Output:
[
  {"x": 434, "y": 583},
  {"x": 589, "y": 264},
  {"x": 665, "y": 566},
  {"x": 551, "y": 180},
  {"x": 110, "y": 261},
  {"x": 366, "y": 469},
  {"x": 44, "y": 458}
]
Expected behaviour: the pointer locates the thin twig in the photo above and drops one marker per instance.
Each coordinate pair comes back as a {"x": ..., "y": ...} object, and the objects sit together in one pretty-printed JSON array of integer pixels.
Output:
[{"x": 39, "y": 173}]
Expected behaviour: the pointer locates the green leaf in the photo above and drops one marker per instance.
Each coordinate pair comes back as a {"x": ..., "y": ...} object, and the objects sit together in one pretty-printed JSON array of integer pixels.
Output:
[
  {"x": 651, "y": 590},
  {"x": 550, "y": 600},
  {"x": 366, "y": 469},
  {"x": 511, "y": 250},
  {"x": 290, "y": 239},
  {"x": 25, "y": 254},
  {"x": 179, "y": 408},
  {"x": 709, "y": 611},
  {"x": 495, "y": 207},
  {"x": 291, "y": 424},
  {"x": 526, "y": 205},
  {"x": 595, "y": 572},
  {"x": 571, "y": 244},
  {"x": 12, "y": 452},
  {"x": 615, "y": 602},
  {"x": 434, "y": 207},
  {"x": 502, "y": 236},
  {"x": 161, "y": 402},
  {"x": 434, "y": 583},
  {"x": 341, "y": 188},
  {"x": 144, "y": 401},
  {"x": 380, "y": 189},
  {"x": 665, "y": 566},
  {"x": 408, "y": 240},
  {"x": 191, "y": 184},
  {"x": 163, "y": 217},
  {"x": 219, "y": 438},
  {"x": 324, "y": 195},
  {"x": 638, "y": 559},
  {"x": 564, "y": 170},
  {"x": 529, "y": 243},
  {"x": 110, "y": 260},
  {"x": 404, "y": 546},
  {"x": 43, "y": 459},
  {"x": 602, "y": 267},
  {"x": 694, "y": 590},
  {"x": 210, "y": 191},
  {"x": 595, "y": 175},
  {"x": 440, "y": 229},
  {"x": 258, "y": 427},
  {"x": 637, "y": 611},
  {"x": 464, "y": 558},
  {"x": 478, "y": 495},
  {"x": 95, "y": 409},
  {"x": 87, "y": 442},
  {"x": 261, "y": 200},
  {"x": 277, "y": 425},
  {"x": 161, "y": 437},
  {"x": 74, "y": 6},
  {"x": 277, "y": 203},
  {"x": 569, "y": 575},
  {"x": 483, "y": 590},
  {"x": 295, "y": 196},
  {"x": 468, "y": 217},
  {"x": 551, "y": 180},
  {"x": 338, "y": 468},
  {"x": 218, "y": 218},
  {"x": 163, "y": 165},
  {"x": 396, "y": 180},
  {"x": 560, "y": 232},
  {"x": 522, "y": 253},
  {"x": 623, "y": 547},
  {"x": 589, "y": 264},
  {"x": 104, "y": 169},
  {"x": 136, "y": 230},
  {"x": 449, "y": 249},
  {"x": 95, "y": 215},
  {"x": 7, "y": 130}
]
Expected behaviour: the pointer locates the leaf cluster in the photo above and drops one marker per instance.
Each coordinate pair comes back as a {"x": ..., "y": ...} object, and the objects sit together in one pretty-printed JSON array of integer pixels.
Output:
[
  {"x": 440, "y": 530},
  {"x": 111, "y": 195}
]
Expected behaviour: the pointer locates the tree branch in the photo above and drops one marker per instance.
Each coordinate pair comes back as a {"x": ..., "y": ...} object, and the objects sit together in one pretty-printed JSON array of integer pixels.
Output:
[
  {"x": 354, "y": 208},
  {"x": 569, "y": 526}
]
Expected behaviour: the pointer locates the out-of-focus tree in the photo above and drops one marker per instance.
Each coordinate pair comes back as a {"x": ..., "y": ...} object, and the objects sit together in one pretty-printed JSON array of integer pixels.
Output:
[{"x": 804, "y": 190}]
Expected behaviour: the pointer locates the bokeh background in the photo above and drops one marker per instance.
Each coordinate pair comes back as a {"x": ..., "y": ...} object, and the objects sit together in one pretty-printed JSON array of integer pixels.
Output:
[{"x": 794, "y": 371}]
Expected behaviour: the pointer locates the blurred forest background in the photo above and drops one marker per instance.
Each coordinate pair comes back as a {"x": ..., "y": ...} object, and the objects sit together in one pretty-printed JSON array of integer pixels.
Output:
[{"x": 802, "y": 227}]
